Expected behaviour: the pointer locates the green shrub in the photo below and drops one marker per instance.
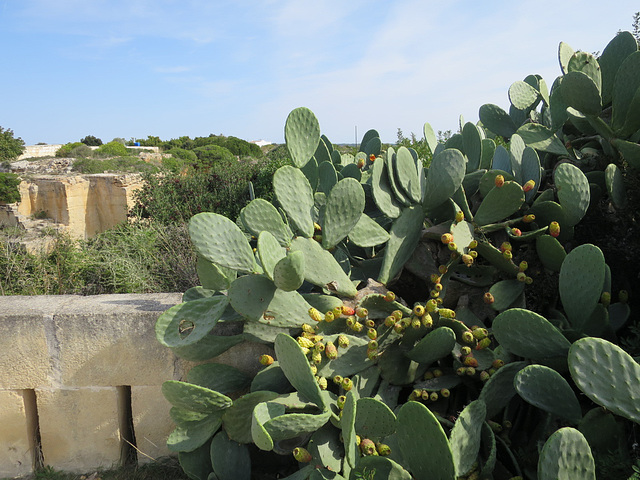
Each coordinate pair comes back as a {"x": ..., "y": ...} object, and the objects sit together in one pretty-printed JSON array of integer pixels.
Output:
[
  {"x": 209, "y": 155},
  {"x": 180, "y": 158},
  {"x": 126, "y": 164},
  {"x": 9, "y": 192},
  {"x": 113, "y": 148},
  {"x": 91, "y": 141},
  {"x": 82, "y": 151},
  {"x": 65, "y": 150},
  {"x": 10, "y": 147}
]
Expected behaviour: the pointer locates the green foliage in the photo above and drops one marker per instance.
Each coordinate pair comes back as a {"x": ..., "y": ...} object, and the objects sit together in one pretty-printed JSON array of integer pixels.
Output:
[
  {"x": 9, "y": 192},
  {"x": 65, "y": 150},
  {"x": 126, "y": 164},
  {"x": 483, "y": 370},
  {"x": 10, "y": 147},
  {"x": 211, "y": 155},
  {"x": 91, "y": 141},
  {"x": 113, "y": 148}
]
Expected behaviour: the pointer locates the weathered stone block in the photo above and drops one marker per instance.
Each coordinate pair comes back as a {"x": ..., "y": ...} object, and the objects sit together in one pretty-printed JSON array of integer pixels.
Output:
[
  {"x": 16, "y": 457},
  {"x": 24, "y": 362},
  {"x": 151, "y": 422}
]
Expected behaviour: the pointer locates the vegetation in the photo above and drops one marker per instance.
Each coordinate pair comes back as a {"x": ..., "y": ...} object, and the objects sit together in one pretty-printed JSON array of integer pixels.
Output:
[
  {"x": 501, "y": 354},
  {"x": 10, "y": 147},
  {"x": 9, "y": 192},
  {"x": 91, "y": 141}
]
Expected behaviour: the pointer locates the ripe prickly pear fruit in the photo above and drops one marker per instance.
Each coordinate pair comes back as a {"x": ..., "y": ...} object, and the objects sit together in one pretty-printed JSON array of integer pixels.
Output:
[
  {"x": 484, "y": 375},
  {"x": 464, "y": 351},
  {"x": 415, "y": 395},
  {"x": 319, "y": 347},
  {"x": 329, "y": 317},
  {"x": 361, "y": 312},
  {"x": 302, "y": 455},
  {"x": 347, "y": 384},
  {"x": 308, "y": 328},
  {"x": 416, "y": 323},
  {"x": 443, "y": 269},
  {"x": 432, "y": 306},
  {"x": 473, "y": 254},
  {"x": 480, "y": 333},
  {"x": 357, "y": 327},
  {"x": 433, "y": 396},
  {"x": 459, "y": 216},
  {"x": 506, "y": 246},
  {"x": 322, "y": 382},
  {"x": 383, "y": 449},
  {"x": 418, "y": 310},
  {"x": 369, "y": 323},
  {"x": 467, "y": 337},
  {"x": 337, "y": 312},
  {"x": 389, "y": 321},
  {"x": 372, "y": 345},
  {"x": 266, "y": 359},
  {"x": 605, "y": 298},
  {"x": 461, "y": 371},
  {"x": 446, "y": 313},
  {"x": 348, "y": 310},
  {"x": 554, "y": 229},
  {"x": 523, "y": 266},
  {"x": 473, "y": 244},
  {"x": 452, "y": 246},
  {"x": 528, "y": 186},
  {"x": 497, "y": 363},
  {"x": 372, "y": 333},
  {"x": 499, "y": 181},
  {"x": 521, "y": 276},
  {"x": 507, "y": 254},
  {"x": 467, "y": 259},
  {"x": 516, "y": 232},
  {"x": 445, "y": 393},
  {"x": 435, "y": 278},
  {"x": 528, "y": 218},
  {"x": 428, "y": 375},
  {"x": 317, "y": 227},
  {"x": 350, "y": 321},
  {"x": 372, "y": 157},
  {"x": 337, "y": 379},
  {"x": 623, "y": 296},
  {"x": 398, "y": 328},
  {"x": 528, "y": 280},
  {"x": 389, "y": 296},
  {"x": 368, "y": 447},
  {"x": 427, "y": 321},
  {"x": 434, "y": 293},
  {"x": 316, "y": 357},
  {"x": 437, "y": 372},
  {"x": 470, "y": 362},
  {"x": 305, "y": 342},
  {"x": 446, "y": 238},
  {"x": 471, "y": 371},
  {"x": 425, "y": 395},
  {"x": 360, "y": 163},
  {"x": 397, "y": 314},
  {"x": 488, "y": 298},
  {"x": 484, "y": 343},
  {"x": 315, "y": 314},
  {"x": 341, "y": 399}
]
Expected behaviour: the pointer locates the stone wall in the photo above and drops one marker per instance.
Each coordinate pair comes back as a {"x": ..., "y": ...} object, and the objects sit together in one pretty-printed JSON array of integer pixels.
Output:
[
  {"x": 34, "y": 151},
  {"x": 80, "y": 377}
]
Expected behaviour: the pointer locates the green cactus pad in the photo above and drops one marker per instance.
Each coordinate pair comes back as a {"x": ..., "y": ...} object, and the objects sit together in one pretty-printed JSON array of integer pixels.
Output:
[
  {"x": 430, "y": 137},
  {"x": 219, "y": 377},
  {"x": 327, "y": 177},
  {"x": 348, "y": 426},
  {"x": 256, "y": 297},
  {"x": 630, "y": 152},
  {"x": 190, "y": 435},
  {"x": 500, "y": 203},
  {"x": 615, "y": 186},
  {"x": 262, "y": 413},
  {"x": 379, "y": 468},
  {"x": 541, "y": 138},
  {"x": 465, "y": 436},
  {"x": 551, "y": 252},
  {"x": 197, "y": 464},
  {"x": 374, "y": 419},
  {"x": 230, "y": 460},
  {"x": 378, "y": 307},
  {"x": 546, "y": 389},
  {"x": 573, "y": 191},
  {"x": 558, "y": 108},
  {"x": 407, "y": 174},
  {"x": 619, "y": 48},
  {"x": 343, "y": 209},
  {"x": 435, "y": 345},
  {"x": 531, "y": 171},
  {"x": 323, "y": 151},
  {"x": 302, "y": 134},
  {"x": 463, "y": 235},
  {"x": 270, "y": 252},
  {"x": 502, "y": 161},
  {"x": 565, "y": 52},
  {"x": 516, "y": 149},
  {"x": 260, "y": 215},
  {"x": 527, "y": 334},
  {"x": 295, "y": 195},
  {"x": 237, "y": 418},
  {"x": 566, "y": 454},
  {"x": 618, "y": 315},
  {"x": 499, "y": 389},
  {"x": 272, "y": 379},
  {"x": 580, "y": 282},
  {"x": 194, "y": 398},
  {"x": 208, "y": 347},
  {"x": 601, "y": 430},
  {"x": 436, "y": 384},
  {"x": 288, "y": 273},
  {"x": 445, "y": 177},
  {"x": 405, "y": 234},
  {"x": 489, "y": 442},
  {"x": 296, "y": 368},
  {"x": 381, "y": 190},
  {"x": 390, "y": 161},
  {"x": 212, "y": 276},
  {"x": 522, "y": 95},
  {"x": 607, "y": 375},
  {"x": 367, "y": 232},
  {"x": 350, "y": 361},
  {"x": 580, "y": 92},
  {"x": 326, "y": 448},
  {"x": 625, "y": 86},
  {"x": 291, "y": 425},
  {"x": 220, "y": 241},
  {"x": 472, "y": 142},
  {"x": 395, "y": 367},
  {"x": 322, "y": 269},
  {"x": 323, "y": 303},
  {"x": 351, "y": 171},
  {"x": 197, "y": 317},
  {"x": 497, "y": 120},
  {"x": 488, "y": 150},
  {"x": 424, "y": 444},
  {"x": 505, "y": 293},
  {"x": 493, "y": 255}
]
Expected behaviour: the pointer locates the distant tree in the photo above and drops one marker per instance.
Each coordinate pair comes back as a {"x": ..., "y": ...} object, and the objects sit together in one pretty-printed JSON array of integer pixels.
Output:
[
  {"x": 91, "y": 141},
  {"x": 210, "y": 155},
  {"x": 635, "y": 26},
  {"x": 151, "y": 141},
  {"x": 9, "y": 192},
  {"x": 10, "y": 147},
  {"x": 119, "y": 140}
]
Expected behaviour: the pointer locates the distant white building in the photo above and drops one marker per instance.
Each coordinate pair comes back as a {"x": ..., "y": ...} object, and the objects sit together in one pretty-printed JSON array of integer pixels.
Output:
[{"x": 261, "y": 143}]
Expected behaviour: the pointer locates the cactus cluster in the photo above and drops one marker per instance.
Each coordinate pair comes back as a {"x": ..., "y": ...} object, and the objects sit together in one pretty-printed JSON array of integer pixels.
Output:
[{"x": 465, "y": 382}]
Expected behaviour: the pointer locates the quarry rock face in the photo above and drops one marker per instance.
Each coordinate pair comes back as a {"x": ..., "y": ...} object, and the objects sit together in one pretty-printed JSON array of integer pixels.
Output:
[{"x": 84, "y": 204}]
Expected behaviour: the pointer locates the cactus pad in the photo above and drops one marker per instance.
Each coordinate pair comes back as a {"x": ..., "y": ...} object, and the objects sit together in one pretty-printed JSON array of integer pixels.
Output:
[
  {"x": 192, "y": 433},
  {"x": 465, "y": 436},
  {"x": 296, "y": 198},
  {"x": 566, "y": 454},
  {"x": 445, "y": 177},
  {"x": 302, "y": 134},
  {"x": 343, "y": 209},
  {"x": 405, "y": 234},
  {"x": 497, "y": 120},
  {"x": 230, "y": 460},
  {"x": 435, "y": 345},
  {"x": 193, "y": 397},
  {"x": 573, "y": 191},
  {"x": 296, "y": 368},
  {"x": 260, "y": 215}
]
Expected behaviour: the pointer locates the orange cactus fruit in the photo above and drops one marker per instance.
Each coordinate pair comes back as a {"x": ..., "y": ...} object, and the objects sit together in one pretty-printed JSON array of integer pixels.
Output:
[
  {"x": 459, "y": 216},
  {"x": 446, "y": 238},
  {"x": 528, "y": 218},
  {"x": 389, "y": 296},
  {"x": 266, "y": 360},
  {"x": 499, "y": 180},
  {"x": 554, "y": 229},
  {"x": 527, "y": 187},
  {"x": 516, "y": 232}
]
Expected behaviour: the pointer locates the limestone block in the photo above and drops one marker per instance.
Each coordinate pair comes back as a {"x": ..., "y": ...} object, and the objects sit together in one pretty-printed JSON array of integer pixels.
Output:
[
  {"x": 79, "y": 428},
  {"x": 109, "y": 340},
  {"x": 151, "y": 422},
  {"x": 16, "y": 457},
  {"x": 24, "y": 362}
]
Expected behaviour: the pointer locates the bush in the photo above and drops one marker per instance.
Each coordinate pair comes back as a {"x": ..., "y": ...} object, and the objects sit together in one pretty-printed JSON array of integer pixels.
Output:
[
  {"x": 113, "y": 148},
  {"x": 209, "y": 155},
  {"x": 82, "y": 151},
  {"x": 91, "y": 141},
  {"x": 9, "y": 192},
  {"x": 65, "y": 150},
  {"x": 126, "y": 164},
  {"x": 10, "y": 147}
]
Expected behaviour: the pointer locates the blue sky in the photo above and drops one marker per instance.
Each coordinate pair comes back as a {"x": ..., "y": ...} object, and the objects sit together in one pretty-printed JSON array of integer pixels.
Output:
[{"x": 133, "y": 68}]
